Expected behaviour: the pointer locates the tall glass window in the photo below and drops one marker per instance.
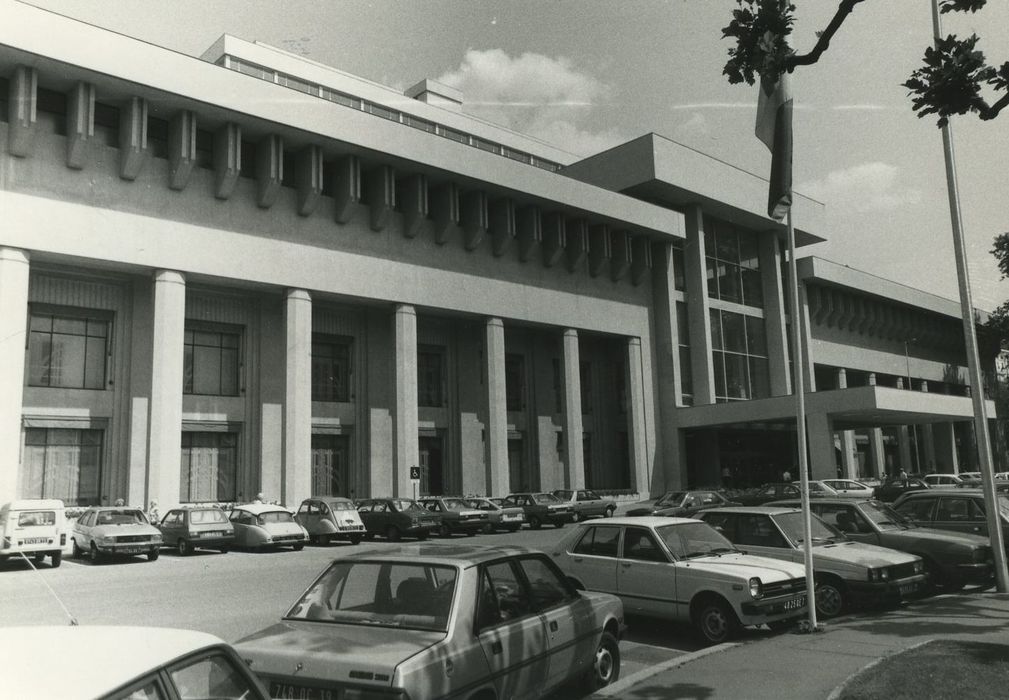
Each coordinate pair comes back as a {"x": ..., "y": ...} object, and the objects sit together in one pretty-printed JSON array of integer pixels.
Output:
[
  {"x": 739, "y": 354},
  {"x": 430, "y": 376},
  {"x": 211, "y": 362},
  {"x": 585, "y": 377},
  {"x": 63, "y": 463},
  {"x": 515, "y": 382},
  {"x": 209, "y": 470},
  {"x": 732, "y": 263},
  {"x": 686, "y": 371},
  {"x": 331, "y": 368},
  {"x": 67, "y": 351}
]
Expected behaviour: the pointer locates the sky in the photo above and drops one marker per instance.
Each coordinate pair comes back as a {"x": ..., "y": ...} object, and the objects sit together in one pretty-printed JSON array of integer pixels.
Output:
[{"x": 588, "y": 74}]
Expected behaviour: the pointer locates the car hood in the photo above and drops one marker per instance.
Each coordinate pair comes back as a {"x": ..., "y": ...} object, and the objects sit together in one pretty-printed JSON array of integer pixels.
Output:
[
  {"x": 746, "y": 566},
  {"x": 331, "y": 651},
  {"x": 860, "y": 554},
  {"x": 113, "y": 530},
  {"x": 928, "y": 534}
]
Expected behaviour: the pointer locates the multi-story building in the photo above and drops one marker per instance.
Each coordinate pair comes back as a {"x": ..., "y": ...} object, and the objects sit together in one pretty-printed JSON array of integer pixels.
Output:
[{"x": 249, "y": 272}]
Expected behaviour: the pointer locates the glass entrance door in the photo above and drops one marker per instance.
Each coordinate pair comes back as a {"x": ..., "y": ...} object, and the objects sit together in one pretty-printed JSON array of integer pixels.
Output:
[
  {"x": 432, "y": 481},
  {"x": 330, "y": 465}
]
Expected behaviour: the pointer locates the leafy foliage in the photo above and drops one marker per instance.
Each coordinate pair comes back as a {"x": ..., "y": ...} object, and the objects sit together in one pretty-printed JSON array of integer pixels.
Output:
[
  {"x": 961, "y": 5},
  {"x": 951, "y": 79},
  {"x": 761, "y": 29}
]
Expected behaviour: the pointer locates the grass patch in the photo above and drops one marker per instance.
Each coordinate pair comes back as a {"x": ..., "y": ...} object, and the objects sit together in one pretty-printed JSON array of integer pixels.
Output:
[{"x": 936, "y": 670}]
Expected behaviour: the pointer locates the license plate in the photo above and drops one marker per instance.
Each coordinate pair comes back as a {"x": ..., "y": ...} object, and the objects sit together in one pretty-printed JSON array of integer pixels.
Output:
[
  {"x": 906, "y": 588},
  {"x": 288, "y": 691},
  {"x": 512, "y": 517},
  {"x": 129, "y": 550},
  {"x": 795, "y": 603},
  {"x": 36, "y": 540}
]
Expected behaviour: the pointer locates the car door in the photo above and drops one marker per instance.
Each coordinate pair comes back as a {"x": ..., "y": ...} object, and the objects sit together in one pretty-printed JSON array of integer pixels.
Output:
[
  {"x": 308, "y": 517},
  {"x": 570, "y": 622},
  {"x": 171, "y": 527},
  {"x": 593, "y": 559},
  {"x": 82, "y": 530},
  {"x": 646, "y": 579},
  {"x": 511, "y": 632}
]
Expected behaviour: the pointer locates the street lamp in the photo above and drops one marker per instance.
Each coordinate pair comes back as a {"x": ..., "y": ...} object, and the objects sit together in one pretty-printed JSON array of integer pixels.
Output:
[{"x": 914, "y": 426}]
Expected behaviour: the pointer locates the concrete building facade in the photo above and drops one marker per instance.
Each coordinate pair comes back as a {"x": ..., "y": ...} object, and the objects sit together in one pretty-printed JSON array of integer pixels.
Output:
[{"x": 247, "y": 272}]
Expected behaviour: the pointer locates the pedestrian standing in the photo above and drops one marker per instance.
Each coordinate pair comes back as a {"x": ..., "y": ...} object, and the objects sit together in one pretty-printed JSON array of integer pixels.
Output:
[{"x": 786, "y": 476}]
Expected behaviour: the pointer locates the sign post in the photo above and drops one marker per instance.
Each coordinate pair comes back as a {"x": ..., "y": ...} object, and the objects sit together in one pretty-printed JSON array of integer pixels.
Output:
[{"x": 415, "y": 478}]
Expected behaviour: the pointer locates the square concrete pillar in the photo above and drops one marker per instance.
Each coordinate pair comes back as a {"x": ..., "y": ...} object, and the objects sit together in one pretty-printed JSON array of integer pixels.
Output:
[
  {"x": 496, "y": 431},
  {"x": 699, "y": 319},
  {"x": 406, "y": 450},
  {"x": 927, "y": 447},
  {"x": 849, "y": 462},
  {"x": 667, "y": 372},
  {"x": 904, "y": 446},
  {"x": 944, "y": 439},
  {"x": 822, "y": 459},
  {"x": 297, "y": 479},
  {"x": 165, "y": 425},
  {"x": 877, "y": 456},
  {"x": 13, "y": 327},
  {"x": 573, "y": 458},
  {"x": 636, "y": 416}
]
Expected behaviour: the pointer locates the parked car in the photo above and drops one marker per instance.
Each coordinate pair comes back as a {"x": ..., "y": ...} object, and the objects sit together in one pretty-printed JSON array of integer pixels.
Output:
[
  {"x": 34, "y": 527},
  {"x": 586, "y": 503},
  {"x": 263, "y": 525},
  {"x": 894, "y": 487},
  {"x": 456, "y": 515},
  {"x": 957, "y": 509},
  {"x": 817, "y": 488},
  {"x": 849, "y": 488},
  {"x": 123, "y": 663},
  {"x": 499, "y": 517},
  {"x": 952, "y": 480},
  {"x": 682, "y": 504},
  {"x": 951, "y": 559},
  {"x": 394, "y": 517},
  {"x": 204, "y": 527},
  {"x": 437, "y": 620},
  {"x": 683, "y": 570},
  {"x": 328, "y": 518},
  {"x": 540, "y": 508},
  {"x": 119, "y": 531},
  {"x": 846, "y": 572},
  {"x": 766, "y": 493}
]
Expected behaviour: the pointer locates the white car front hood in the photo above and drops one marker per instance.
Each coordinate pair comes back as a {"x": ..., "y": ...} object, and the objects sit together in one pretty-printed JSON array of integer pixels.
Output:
[
  {"x": 745, "y": 566},
  {"x": 860, "y": 554}
]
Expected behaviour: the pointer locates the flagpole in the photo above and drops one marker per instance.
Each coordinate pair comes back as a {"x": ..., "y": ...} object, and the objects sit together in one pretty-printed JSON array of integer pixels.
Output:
[
  {"x": 970, "y": 339},
  {"x": 798, "y": 384}
]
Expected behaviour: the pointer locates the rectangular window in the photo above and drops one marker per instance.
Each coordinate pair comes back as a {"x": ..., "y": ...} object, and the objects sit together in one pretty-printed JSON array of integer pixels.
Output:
[
  {"x": 340, "y": 98},
  {"x": 739, "y": 352},
  {"x": 211, "y": 362},
  {"x": 296, "y": 84},
  {"x": 585, "y": 377},
  {"x": 67, "y": 351},
  {"x": 558, "y": 385},
  {"x": 515, "y": 382},
  {"x": 380, "y": 111},
  {"x": 331, "y": 368},
  {"x": 679, "y": 276},
  {"x": 430, "y": 376},
  {"x": 63, "y": 463},
  {"x": 209, "y": 470},
  {"x": 732, "y": 262}
]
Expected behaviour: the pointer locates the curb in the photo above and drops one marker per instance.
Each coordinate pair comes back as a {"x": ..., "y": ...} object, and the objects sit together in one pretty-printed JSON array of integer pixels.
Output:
[
  {"x": 839, "y": 690},
  {"x": 626, "y": 682}
]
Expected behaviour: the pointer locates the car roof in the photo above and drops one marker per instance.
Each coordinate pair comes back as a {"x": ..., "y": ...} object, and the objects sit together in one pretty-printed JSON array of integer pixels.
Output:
[
  {"x": 259, "y": 508},
  {"x": 943, "y": 491},
  {"x": 465, "y": 555},
  {"x": 767, "y": 510},
  {"x": 833, "y": 500},
  {"x": 646, "y": 520},
  {"x": 102, "y": 509},
  {"x": 330, "y": 499},
  {"x": 103, "y": 658},
  {"x": 33, "y": 504}
]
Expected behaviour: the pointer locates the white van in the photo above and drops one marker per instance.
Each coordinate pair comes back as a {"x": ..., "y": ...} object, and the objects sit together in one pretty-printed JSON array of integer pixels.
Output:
[{"x": 35, "y": 527}]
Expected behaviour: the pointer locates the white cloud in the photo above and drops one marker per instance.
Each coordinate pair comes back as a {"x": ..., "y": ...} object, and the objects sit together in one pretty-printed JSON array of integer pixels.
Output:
[
  {"x": 863, "y": 188},
  {"x": 544, "y": 97}
]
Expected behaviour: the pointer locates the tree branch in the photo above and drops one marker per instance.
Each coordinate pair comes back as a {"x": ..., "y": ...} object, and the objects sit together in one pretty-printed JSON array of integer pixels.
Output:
[
  {"x": 991, "y": 111},
  {"x": 843, "y": 10}
]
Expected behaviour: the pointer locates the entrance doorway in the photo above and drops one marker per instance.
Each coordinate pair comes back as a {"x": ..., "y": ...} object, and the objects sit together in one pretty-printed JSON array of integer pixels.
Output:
[
  {"x": 330, "y": 466},
  {"x": 432, "y": 481}
]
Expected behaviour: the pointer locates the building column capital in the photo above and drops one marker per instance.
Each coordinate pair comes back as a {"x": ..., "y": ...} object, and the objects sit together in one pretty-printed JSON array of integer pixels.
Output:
[
  {"x": 494, "y": 321},
  {"x": 405, "y": 310},
  {"x": 297, "y": 295},
  {"x": 169, "y": 277}
]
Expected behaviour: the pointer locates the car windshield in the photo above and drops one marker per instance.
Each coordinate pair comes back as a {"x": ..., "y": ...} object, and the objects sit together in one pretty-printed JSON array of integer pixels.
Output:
[
  {"x": 885, "y": 517},
  {"x": 689, "y": 540},
  {"x": 673, "y": 498},
  {"x": 481, "y": 504},
  {"x": 545, "y": 498},
  {"x": 380, "y": 594},
  {"x": 35, "y": 518},
  {"x": 275, "y": 516},
  {"x": 406, "y": 505},
  {"x": 200, "y": 517},
  {"x": 120, "y": 517},
  {"x": 455, "y": 504},
  {"x": 791, "y": 525},
  {"x": 563, "y": 495},
  {"x": 341, "y": 505}
]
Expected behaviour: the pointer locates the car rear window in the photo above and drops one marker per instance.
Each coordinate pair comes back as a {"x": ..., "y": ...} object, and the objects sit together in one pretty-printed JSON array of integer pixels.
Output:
[
  {"x": 200, "y": 517},
  {"x": 36, "y": 518},
  {"x": 341, "y": 505},
  {"x": 275, "y": 516},
  {"x": 546, "y": 498}
]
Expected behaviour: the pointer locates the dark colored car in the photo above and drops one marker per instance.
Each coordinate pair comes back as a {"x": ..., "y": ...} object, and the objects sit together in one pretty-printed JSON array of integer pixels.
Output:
[
  {"x": 682, "y": 504},
  {"x": 187, "y": 529},
  {"x": 541, "y": 508},
  {"x": 456, "y": 515},
  {"x": 958, "y": 509},
  {"x": 767, "y": 493},
  {"x": 587, "y": 504},
  {"x": 891, "y": 489},
  {"x": 394, "y": 517},
  {"x": 952, "y": 559}
]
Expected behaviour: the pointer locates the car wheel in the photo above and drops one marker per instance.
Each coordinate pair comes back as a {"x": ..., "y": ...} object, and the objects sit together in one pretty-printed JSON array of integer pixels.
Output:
[
  {"x": 392, "y": 533},
  {"x": 95, "y": 556},
  {"x": 355, "y": 539},
  {"x": 77, "y": 553},
  {"x": 559, "y": 524},
  {"x": 185, "y": 549},
  {"x": 57, "y": 559},
  {"x": 224, "y": 550},
  {"x": 298, "y": 547},
  {"x": 605, "y": 668},
  {"x": 153, "y": 555},
  {"x": 715, "y": 621},
  {"x": 534, "y": 522},
  {"x": 829, "y": 598},
  {"x": 444, "y": 530}
]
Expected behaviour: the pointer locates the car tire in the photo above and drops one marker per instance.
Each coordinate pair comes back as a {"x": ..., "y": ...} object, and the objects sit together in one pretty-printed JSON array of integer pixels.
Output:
[
  {"x": 224, "y": 550},
  {"x": 57, "y": 559},
  {"x": 153, "y": 555},
  {"x": 95, "y": 554},
  {"x": 534, "y": 522},
  {"x": 830, "y": 598},
  {"x": 392, "y": 533},
  {"x": 605, "y": 666},
  {"x": 77, "y": 553},
  {"x": 298, "y": 547},
  {"x": 559, "y": 524},
  {"x": 355, "y": 539},
  {"x": 715, "y": 621},
  {"x": 185, "y": 549}
]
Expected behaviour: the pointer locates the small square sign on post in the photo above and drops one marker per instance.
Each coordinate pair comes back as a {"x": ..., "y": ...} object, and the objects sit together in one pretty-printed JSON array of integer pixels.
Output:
[{"x": 415, "y": 473}]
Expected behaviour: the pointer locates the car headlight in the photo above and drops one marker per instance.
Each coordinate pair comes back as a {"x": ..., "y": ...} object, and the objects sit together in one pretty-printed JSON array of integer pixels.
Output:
[
  {"x": 756, "y": 589},
  {"x": 157, "y": 539},
  {"x": 919, "y": 566},
  {"x": 106, "y": 539},
  {"x": 878, "y": 574}
]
